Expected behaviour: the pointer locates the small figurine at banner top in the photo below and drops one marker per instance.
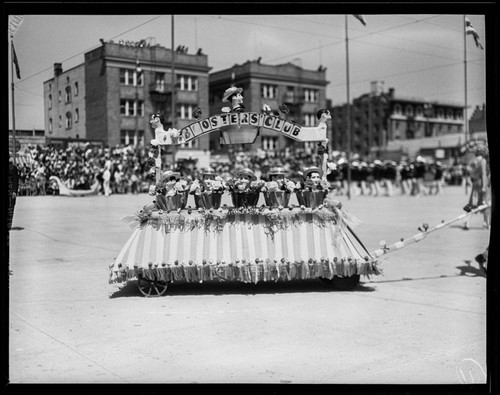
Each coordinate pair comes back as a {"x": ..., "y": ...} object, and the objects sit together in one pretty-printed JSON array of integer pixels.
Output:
[
  {"x": 209, "y": 182},
  {"x": 162, "y": 136},
  {"x": 323, "y": 115},
  {"x": 233, "y": 94}
]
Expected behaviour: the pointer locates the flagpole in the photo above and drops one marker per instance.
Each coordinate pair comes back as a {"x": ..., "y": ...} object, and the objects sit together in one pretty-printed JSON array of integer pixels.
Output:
[
  {"x": 348, "y": 112},
  {"x": 174, "y": 148},
  {"x": 13, "y": 109},
  {"x": 465, "y": 80}
]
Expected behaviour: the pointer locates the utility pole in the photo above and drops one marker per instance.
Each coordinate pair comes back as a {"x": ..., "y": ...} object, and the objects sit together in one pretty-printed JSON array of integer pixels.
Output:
[
  {"x": 138, "y": 71},
  {"x": 465, "y": 81},
  {"x": 348, "y": 112}
]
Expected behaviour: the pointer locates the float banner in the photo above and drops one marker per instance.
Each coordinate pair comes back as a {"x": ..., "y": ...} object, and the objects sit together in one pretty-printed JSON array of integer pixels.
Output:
[{"x": 231, "y": 121}]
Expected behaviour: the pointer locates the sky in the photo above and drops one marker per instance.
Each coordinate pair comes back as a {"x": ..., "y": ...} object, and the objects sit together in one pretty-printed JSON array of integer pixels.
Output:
[{"x": 419, "y": 55}]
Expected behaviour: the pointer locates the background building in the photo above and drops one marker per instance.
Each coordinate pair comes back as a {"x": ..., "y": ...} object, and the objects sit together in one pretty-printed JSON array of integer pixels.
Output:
[
  {"x": 108, "y": 99},
  {"x": 477, "y": 123},
  {"x": 302, "y": 91},
  {"x": 387, "y": 126}
]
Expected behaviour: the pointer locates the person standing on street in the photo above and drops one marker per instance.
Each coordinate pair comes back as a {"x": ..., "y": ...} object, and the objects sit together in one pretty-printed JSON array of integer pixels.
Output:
[
  {"x": 13, "y": 187},
  {"x": 480, "y": 183},
  {"x": 106, "y": 177}
]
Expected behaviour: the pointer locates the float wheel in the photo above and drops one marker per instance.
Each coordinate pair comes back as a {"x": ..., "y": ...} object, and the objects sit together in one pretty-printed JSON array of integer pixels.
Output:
[{"x": 151, "y": 288}]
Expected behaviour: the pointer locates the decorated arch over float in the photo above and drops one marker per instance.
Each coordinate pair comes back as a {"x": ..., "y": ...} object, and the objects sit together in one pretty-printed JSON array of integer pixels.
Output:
[{"x": 241, "y": 128}]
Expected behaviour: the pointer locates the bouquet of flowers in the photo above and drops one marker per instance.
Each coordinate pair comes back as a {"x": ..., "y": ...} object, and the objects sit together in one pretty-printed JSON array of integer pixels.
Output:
[
  {"x": 208, "y": 192},
  {"x": 242, "y": 185},
  {"x": 171, "y": 192},
  {"x": 245, "y": 189},
  {"x": 279, "y": 185},
  {"x": 217, "y": 185}
]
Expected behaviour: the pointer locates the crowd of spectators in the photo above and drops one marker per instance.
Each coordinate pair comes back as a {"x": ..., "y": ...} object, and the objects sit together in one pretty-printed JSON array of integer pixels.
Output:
[{"x": 81, "y": 167}]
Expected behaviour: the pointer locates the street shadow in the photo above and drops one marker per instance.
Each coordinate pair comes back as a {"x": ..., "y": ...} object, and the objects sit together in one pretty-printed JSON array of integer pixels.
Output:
[
  {"x": 464, "y": 270},
  {"x": 131, "y": 289},
  {"x": 17, "y": 228},
  {"x": 469, "y": 227},
  {"x": 468, "y": 269}
]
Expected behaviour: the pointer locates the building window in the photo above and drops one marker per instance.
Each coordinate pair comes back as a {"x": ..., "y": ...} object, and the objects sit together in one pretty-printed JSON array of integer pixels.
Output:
[
  {"x": 420, "y": 111},
  {"x": 440, "y": 113},
  {"x": 269, "y": 91},
  {"x": 139, "y": 78},
  {"x": 59, "y": 96},
  {"x": 129, "y": 137},
  {"x": 187, "y": 82},
  {"x": 50, "y": 125},
  {"x": 397, "y": 109},
  {"x": 190, "y": 144},
  {"x": 69, "y": 120},
  {"x": 67, "y": 97},
  {"x": 311, "y": 95},
  {"x": 60, "y": 121},
  {"x": 185, "y": 111},
  {"x": 160, "y": 82},
  {"x": 290, "y": 95},
  {"x": 77, "y": 115},
  {"x": 131, "y": 77},
  {"x": 309, "y": 119},
  {"x": 409, "y": 111},
  {"x": 449, "y": 114},
  {"x": 269, "y": 143},
  {"x": 50, "y": 102},
  {"x": 131, "y": 108},
  {"x": 76, "y": 88},
  {"x": 125, "y": 136}
]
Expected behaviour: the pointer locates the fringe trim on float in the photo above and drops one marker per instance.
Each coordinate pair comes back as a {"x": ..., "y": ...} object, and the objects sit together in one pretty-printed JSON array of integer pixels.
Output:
[
  {"x": 247, "y": 272},
  {"x": 272, "y": 219}
]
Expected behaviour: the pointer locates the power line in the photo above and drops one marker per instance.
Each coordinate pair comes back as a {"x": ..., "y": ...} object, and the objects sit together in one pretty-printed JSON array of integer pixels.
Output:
[
  {"x": 406, "y": 72},
  {"x": 358, "y": 38},
  {"x": 273, "y": 27}
]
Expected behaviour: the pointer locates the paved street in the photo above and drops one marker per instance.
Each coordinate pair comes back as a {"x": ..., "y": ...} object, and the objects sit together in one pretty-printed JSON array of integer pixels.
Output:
[{"x": 423, "y": 321}]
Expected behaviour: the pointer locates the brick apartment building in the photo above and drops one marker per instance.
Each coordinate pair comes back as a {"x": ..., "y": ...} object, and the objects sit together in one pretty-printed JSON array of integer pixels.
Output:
[{"x": 109, "y": 97}]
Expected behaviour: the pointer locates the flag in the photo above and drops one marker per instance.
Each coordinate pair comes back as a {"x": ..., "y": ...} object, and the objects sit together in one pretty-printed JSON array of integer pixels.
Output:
[
  {"x": 360, "y": 18},
  {"x": 16, "y": 64},
  {"x": 469, "y": 29}
]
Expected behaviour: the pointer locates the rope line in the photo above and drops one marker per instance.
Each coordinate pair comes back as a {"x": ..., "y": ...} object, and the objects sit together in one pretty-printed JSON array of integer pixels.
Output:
[{"x": 424, "y": 232}]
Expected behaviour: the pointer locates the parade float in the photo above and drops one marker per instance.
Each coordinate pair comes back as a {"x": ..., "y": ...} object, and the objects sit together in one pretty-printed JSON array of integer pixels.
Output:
[{"x": 174, "y": 242}]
